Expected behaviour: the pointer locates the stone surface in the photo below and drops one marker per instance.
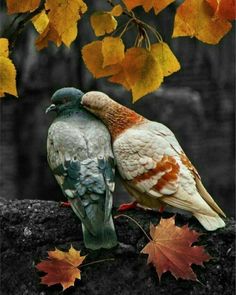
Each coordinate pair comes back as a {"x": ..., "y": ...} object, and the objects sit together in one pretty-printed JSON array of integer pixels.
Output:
[{"x": 29, "y": 228}]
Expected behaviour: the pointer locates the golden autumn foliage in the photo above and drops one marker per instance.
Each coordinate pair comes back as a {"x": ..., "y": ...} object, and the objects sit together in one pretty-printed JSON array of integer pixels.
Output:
[
  {"x": 7, "y": 70},
  {"x": 195, "y": 18},
  {"x": 103, "y": 23},
  {"x": 113, "y": 51},
  {"x": 141, "y": 67},
  {"x": 61, "y": 268},
  {"x": 170, "y": 249},
  {"x": 147, "y": 5},
  {"x": 137, "y": 69},
  {"x": 63, "y": 16},
  {"x": 94, "y": 62},
  {"x": 225, "y": 9},
  {"x": 16, "y": 6}
]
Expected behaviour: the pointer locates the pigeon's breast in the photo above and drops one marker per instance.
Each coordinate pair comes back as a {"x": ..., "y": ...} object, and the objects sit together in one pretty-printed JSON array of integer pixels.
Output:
[{"x": 77, "y": 137}]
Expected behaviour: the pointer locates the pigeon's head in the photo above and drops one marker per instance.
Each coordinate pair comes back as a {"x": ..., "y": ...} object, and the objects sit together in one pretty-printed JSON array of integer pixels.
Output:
[
  {"x": 65, "y": 99},
  {"x": 96, "y": 102}
]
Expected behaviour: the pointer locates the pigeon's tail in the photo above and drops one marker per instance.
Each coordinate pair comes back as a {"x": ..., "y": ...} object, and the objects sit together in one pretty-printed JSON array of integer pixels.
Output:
[
  {"x": 105, "y": 236},
  {"x": 210, "y": 222},
  {"x": 98, "y": 229}
]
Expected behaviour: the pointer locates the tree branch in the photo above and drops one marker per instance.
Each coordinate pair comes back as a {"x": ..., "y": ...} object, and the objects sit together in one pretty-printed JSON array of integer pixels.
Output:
[{"x": 20, "y": 26}]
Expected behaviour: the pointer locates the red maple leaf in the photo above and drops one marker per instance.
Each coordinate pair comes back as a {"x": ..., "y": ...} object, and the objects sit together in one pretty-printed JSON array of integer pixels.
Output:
[
  {"x": 170, "y": 249},
  {"x": 61, "y": 267}
]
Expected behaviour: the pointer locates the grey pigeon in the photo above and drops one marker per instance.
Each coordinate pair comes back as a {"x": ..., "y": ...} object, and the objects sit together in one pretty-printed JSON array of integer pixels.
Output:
[{"x": 81, "y": 159}]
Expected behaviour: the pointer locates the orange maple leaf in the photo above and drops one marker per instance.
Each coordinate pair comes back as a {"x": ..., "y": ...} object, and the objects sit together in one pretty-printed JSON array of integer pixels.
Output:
[
  {"x": 170, "y": 249},
  {"x": 61, "y": 267}
]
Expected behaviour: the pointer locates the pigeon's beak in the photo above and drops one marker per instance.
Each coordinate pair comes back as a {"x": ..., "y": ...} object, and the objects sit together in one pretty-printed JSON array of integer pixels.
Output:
[{"x": 51, "y": 108}]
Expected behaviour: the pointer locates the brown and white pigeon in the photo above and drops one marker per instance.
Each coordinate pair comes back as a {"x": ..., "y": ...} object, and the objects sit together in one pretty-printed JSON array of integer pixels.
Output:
[{"x": 152, "y": 164}]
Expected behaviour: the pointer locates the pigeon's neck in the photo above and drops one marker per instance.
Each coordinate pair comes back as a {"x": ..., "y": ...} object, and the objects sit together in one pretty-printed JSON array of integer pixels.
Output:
[
  {"x": 70, "y": 111},
  {"x": 118, "y": 118}
]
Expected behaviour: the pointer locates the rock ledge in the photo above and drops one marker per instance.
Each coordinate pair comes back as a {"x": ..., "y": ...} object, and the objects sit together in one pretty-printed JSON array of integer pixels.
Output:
[{"x": 29, "y": 228}]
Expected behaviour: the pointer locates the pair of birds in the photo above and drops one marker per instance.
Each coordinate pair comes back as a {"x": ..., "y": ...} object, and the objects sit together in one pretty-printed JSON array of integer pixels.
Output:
[{"x": 152, "y": 165}]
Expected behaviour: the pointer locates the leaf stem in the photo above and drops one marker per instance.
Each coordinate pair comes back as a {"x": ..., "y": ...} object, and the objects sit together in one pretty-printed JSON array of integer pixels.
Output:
[
  {"x": 124, "y": 215},
  {"x": 97, "y": 261},
  {"x": 125, "y": 28}
]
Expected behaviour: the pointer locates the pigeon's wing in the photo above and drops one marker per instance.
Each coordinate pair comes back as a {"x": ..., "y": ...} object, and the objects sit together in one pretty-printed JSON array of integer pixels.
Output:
[
  {"x": 107, "y": 166},
  {"x": 188, "y": 167},
  {"x": 147, "y": 162},
  {"x": 151, "y": 162}
]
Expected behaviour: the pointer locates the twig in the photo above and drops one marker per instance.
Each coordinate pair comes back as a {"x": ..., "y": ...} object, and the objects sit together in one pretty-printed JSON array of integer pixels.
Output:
[
  {"x": 127, "y": 216},
  {"x": 20, "y": 26},
  {"x": 5, "y": 31}
]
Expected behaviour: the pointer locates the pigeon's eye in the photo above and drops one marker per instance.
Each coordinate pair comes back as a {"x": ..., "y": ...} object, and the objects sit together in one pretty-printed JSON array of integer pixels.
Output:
[{"x": 63, "y": 101}]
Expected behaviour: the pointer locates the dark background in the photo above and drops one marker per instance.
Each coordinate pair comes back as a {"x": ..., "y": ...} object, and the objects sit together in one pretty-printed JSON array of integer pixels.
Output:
[{"x": 197, "y": 103}]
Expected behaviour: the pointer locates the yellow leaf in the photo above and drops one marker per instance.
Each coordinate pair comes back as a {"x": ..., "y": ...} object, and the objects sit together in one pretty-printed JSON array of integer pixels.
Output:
[
  {"x": 167, "y": 60},
  {"x": 149, "y": 73},
  {"x": 116, "y": 10},
  {"x": 16, "y": 6},
  {"x": 40, "y": 22},
  {"x": 195, "y": 18},
  {"x": 7, "y": 76},
  {"x": 49, "y": 34},
  {"x": 93, "y": 58},
  {"x": 120, "y": 78},
  {"x": 112, "y": 50},
  {"x": 63, "y": 16},
  {"x": 4, "y": 47},
  {"x": 102, "y": 23},
  {"x": 140, "y": 72},
  {"x": 157, "y": 5}
]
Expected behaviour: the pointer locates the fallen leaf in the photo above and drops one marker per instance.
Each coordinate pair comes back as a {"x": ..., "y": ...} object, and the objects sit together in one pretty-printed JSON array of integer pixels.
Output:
[
  {"x": 112, "y": 50},
  {"x": 157, "y": 5},
  {"x": 61, "y": 268},
  {"x": 103, "y": 22},
  {"x": 16, "y": 6},
  {"x": 225, "y": 9},
  {"x": 167, "y": 60},
  {"x": 7, "y": 70},
  {"x": 93, "y": 58},
  {"x": 171, "y": 249},
  {"x": 63, "y": 17},
  {"x": 195, "y": 18}
]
